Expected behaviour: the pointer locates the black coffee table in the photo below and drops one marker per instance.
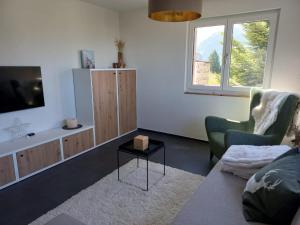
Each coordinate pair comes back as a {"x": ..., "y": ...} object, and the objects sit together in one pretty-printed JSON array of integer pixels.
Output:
[{"x": 154, "y": 146}]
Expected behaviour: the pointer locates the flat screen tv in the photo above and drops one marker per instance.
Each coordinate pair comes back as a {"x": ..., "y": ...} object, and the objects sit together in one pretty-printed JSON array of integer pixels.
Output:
[{"x": 20, "y": 88}]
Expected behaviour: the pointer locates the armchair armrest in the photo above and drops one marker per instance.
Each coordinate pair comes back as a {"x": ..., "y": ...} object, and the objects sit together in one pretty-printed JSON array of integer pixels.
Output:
[
  {"x": 217, "y": 124},
  {"x": 233, "y": 137}
]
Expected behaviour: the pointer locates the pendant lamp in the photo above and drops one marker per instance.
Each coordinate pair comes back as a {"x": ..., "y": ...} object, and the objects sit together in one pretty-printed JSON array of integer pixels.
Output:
[{"x": 174, "y": 10}]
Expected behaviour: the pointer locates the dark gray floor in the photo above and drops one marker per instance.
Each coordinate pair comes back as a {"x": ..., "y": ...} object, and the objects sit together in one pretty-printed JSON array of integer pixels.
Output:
[{"x": 25, "y": 201}]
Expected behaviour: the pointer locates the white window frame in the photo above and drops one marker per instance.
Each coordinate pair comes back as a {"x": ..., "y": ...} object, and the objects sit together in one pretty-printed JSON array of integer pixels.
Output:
[{"x": 228, "y": 22}]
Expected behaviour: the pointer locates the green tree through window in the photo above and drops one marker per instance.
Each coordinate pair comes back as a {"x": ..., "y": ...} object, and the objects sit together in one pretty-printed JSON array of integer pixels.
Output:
[
  {"x": 214, "y": 59},
  {"x": 248, "y": 58}
]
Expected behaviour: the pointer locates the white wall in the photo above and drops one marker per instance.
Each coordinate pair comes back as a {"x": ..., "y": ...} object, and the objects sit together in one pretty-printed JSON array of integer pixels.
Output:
[
  {"x": 158, "y": 51},
  {"x": 50, "y": 33}
]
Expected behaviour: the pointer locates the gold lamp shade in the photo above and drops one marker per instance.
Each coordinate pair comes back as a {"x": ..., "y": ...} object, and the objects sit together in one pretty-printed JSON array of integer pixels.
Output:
[{"x": 174, "y": 10}]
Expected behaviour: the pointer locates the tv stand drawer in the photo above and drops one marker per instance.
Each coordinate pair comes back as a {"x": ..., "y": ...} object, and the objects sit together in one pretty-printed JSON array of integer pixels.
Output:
[
  {"x": 76, "y": 143},
  {"x": 39, "y": 157},
  {"x": 7, "y": 172}
]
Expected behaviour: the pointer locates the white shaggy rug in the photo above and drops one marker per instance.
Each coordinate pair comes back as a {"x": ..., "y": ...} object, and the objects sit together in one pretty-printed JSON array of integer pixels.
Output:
[{"x": 125, "y": 203}]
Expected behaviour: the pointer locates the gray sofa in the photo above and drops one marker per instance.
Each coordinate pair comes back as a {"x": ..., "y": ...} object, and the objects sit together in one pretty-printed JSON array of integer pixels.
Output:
[{"x": 218, "y": 201}]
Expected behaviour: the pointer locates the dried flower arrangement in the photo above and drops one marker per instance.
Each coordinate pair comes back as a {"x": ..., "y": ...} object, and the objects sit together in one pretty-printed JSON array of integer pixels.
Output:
[{"x": 120, "y": 45}]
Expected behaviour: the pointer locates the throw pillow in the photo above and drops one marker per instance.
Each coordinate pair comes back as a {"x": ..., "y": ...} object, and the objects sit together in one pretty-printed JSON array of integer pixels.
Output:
[{"x": 272, "y": 195}]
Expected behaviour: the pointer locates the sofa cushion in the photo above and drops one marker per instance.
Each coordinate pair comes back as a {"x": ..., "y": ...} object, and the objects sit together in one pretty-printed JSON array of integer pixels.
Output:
[
  {"x": 272, "y": 194},
  {"x": 217, "y": 201}
]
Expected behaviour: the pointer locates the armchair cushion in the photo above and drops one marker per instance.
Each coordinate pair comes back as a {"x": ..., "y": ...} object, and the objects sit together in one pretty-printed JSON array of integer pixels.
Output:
[
  {"x": 217, "y": 124},
  {"x": 234, "y": 137}
]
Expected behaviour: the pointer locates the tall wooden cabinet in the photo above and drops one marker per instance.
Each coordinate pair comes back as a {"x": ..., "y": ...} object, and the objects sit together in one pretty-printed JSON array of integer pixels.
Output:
[{"x": 107, "y": 100}]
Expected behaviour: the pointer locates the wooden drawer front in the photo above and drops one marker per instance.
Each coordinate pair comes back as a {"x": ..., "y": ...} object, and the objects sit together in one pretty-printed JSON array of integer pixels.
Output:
[
  {"x": 7, "y": 171},
  {"x": 105, "y": 105},
  {"x": 77, "y": 143},
  {"x": 127, "y": 101},
  {"x": 34, "y": 159}
]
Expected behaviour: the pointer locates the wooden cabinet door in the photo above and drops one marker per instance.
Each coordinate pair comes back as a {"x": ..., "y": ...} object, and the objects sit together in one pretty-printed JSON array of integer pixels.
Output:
[
  {"x": 105, "y": 105},
  {"x": 39, "y": 157},
  {"x": 7, "y": 171},
  {"x": 77, "y": 143},
  {"x": 127, "y": 101}
]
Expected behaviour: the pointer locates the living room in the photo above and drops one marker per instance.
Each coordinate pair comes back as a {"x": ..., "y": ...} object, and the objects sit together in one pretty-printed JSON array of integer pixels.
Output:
[{"x": 111, "y": 75}]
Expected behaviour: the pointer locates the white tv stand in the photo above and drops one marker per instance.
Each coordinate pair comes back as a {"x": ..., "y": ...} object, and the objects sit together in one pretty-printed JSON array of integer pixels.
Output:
[{"x": 25, "y": 157}]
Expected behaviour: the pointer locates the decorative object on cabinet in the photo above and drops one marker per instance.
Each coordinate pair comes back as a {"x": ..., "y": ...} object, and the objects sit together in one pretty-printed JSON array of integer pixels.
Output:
[
  {"x": 115, "y": 65},
  {"x": 120, "y": 47},
  {"x": 74, "y": 128},
  {"x": 29, "y": 135},
  {"x": 87, "y": 59},
  {"x": 17, "y": 129},
  {"x": 71, "y": 124}
]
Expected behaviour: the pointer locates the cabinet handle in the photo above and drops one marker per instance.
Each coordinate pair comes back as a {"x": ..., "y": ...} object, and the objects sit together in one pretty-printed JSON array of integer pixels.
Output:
[
  {"x": 21, "y": 155},
  {"x": 66, "y": 140}
]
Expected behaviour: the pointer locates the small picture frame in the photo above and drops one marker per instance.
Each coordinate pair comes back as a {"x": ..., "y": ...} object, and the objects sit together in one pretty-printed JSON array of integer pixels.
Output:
[{"x": 87, "y": 59}]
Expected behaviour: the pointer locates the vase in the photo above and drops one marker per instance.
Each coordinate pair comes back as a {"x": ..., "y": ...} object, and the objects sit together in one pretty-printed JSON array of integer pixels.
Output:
[{"x": 121, "y": 60}]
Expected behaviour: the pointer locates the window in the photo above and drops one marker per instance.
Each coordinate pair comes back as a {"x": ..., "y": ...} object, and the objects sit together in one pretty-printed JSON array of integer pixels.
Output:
[{"x": 229, "y": 55}]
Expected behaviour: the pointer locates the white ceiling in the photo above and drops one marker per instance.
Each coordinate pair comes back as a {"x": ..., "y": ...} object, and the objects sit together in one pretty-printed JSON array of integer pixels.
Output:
[{"x": 120, "y": 5}]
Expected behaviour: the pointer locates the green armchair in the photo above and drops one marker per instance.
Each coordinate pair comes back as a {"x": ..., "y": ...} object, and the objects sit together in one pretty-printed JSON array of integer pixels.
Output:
[{"x": 223, "y": 133}]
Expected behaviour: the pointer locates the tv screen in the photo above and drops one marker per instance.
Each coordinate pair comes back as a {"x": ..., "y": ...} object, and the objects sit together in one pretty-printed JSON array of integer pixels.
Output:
[{"x": 20, "y": 88}]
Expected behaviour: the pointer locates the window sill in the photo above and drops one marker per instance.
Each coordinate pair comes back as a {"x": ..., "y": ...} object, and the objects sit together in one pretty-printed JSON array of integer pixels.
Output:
[{"x": 225, "y": 94}]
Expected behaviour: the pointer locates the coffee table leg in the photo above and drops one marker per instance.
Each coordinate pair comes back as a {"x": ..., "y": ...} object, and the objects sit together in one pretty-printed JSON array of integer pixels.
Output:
[
  {"x": 147, "y": 173},
  {"x": 137, "y": 162},
  {"x": 164, "y": 160},
  {"x": 118, "y": 159}
]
